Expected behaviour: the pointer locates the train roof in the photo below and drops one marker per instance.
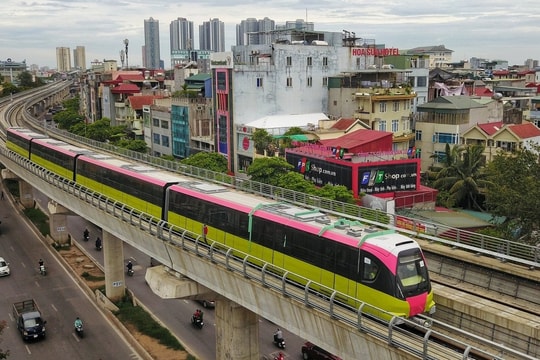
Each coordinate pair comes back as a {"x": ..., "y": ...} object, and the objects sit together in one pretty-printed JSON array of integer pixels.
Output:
[
  {"x": 312, "y": 220},
  {"x": 26, "y": 133},
  {"x": 140, "y": 170},
  {"x": 63, "y": 146}
]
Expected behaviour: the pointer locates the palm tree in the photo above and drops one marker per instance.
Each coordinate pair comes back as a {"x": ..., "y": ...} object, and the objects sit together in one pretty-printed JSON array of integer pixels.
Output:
[{"x": 463, "y": 175}]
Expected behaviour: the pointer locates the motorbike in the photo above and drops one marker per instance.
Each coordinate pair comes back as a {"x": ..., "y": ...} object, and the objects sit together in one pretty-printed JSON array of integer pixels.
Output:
[
  {"x": 86, "y": 237},
  {"x": 79, "y": 330},
  {"x": 98, "y": 245},
  {"x": 129, "y": 272},
  {"x": 197, "y": 322},
  {"x": 280, "y": 343},
  {"x": 42, "y": 270}
]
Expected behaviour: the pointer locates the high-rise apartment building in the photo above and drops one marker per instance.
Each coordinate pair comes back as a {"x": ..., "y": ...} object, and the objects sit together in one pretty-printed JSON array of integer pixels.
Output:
[
  {"x": 181, "y": 34},
  {"x": 63, "y": 59},
  {"x": 254, "y": 32},
  {"x": 212, "y": 35},
  {"x": 151, "y": 54},
  {"x": 79, "y": 58}
]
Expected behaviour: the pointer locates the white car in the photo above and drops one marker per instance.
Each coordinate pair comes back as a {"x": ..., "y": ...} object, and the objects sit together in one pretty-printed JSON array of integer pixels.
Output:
[{"x": 4, "y": 267}]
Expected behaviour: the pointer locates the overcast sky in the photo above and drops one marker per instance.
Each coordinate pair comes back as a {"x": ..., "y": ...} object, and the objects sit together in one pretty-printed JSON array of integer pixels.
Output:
[{"x": 494, "y": 29}]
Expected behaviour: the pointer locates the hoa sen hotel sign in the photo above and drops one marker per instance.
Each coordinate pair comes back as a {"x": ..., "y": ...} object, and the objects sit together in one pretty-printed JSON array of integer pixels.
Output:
[{"x": 374, "y": 51}]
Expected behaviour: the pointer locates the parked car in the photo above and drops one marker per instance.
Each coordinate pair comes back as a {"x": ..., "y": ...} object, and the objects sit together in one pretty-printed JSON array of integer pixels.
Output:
[
  {"x": 311, "y": 351},
  {"x": 4, "y": 267},
  {"x": 208, "y": 304}
]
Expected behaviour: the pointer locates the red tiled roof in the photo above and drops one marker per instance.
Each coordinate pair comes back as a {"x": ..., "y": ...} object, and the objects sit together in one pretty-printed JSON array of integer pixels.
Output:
[
  {"x": 129, "y": 77},
  {"x": 137, "y": 102},
  {"x": 491, "y": 128},
  {"x": 356, "y": 138},
  {"x": 343, "y": 124},
  {"x": 525, "y": 131},
  {"x": 483, "y": 91},
  {"x": 501, "y": 72},
  {"x": 126, "y": 89}
]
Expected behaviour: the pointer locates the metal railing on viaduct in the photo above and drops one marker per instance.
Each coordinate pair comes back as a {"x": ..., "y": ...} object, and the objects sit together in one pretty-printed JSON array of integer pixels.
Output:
[{"x": 321, "y": 319}]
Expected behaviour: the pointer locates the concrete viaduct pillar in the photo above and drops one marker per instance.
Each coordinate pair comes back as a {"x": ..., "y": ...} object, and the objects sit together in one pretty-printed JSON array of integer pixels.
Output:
[
  {"x": 113, "y": 257},
  {"x": 58, "y": 222},
  {"x": 237, "y": 332}
]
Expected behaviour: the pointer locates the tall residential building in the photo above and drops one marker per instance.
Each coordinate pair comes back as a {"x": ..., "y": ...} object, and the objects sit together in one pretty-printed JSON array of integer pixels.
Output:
[
  {"x": 254, "y": 32},
  {"x": 79, "y": 58},
  {"x": 298, "y": 24},
  {"x": 63, "y": 59},
  {"x": 181, "y": 34},
  {"x": 151, "y": 55},
  {"x": 212, "y": 35}
]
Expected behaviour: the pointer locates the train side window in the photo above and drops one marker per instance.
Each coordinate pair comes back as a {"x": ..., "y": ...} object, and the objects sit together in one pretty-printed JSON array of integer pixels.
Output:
[{"x": 370, "y": 269}]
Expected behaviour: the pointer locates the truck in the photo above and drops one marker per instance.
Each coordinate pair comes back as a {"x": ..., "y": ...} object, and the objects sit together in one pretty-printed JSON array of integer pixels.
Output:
[{"x": 30, "y": 322}]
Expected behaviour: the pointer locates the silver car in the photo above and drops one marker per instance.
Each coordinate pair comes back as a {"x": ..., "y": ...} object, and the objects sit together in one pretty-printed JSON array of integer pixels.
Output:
[{"x": 4, "y": 267}]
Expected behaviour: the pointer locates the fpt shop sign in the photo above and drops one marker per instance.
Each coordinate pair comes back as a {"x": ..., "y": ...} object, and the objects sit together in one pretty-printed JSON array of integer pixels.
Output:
[
  {"x": 321, "y": 173},
  {"x": 388, "y": 178}
]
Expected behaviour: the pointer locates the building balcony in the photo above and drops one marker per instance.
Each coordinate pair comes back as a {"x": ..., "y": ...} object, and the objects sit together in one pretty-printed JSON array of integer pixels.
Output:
[{"x": 381, "y": 94}]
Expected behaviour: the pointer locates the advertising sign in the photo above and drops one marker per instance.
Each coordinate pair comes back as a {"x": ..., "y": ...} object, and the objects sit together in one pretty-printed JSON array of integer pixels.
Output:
[
  {"x": 321, "y": 172},
  {"x": 387, "y": 178}
]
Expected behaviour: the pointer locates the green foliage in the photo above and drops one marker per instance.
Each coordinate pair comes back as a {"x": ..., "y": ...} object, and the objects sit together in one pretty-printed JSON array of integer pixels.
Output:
[
  {"x": 269, "y": 170},
  {"x": 514, "y": 192},
  {"x": 9, "y": 88},
  {"x": 261, "y": 140},
  {"x": 66, "y": 119},
  {"x": 134, "y": 145},
  {"x": 207, "y": 160},
  {"x": 71, "y": 104},
  {"x": 146, "y": 324},
  {"x": 39, "y": 219},
  {"x": 336, "y": 192},
  {"x": 462, "y": 176},
  {"x": 295, "y": 181}
]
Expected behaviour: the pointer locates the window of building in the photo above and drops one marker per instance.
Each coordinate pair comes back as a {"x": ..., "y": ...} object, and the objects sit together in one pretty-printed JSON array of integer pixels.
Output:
[
  {"x": 382, "y": 125},
  {"x": 439, "y": 156},
  {"x": 156, "y": 139},
  {"x": 309, "y": 61},
  {"x": 395, "y": 105},
  {"x": 325, "y": 61},
  {"x": 259, "y": 82},
  {"x": 445, "y": 138},
  {"x": 309, "y": 81},
  {"x": 395, "y": 125},
  {"x": 382, "y": 106},
  {"x": 165, "y": 140},
  {"x": 289, "y": 61},
  {"x": 421, "y": 81},
  {"x": 164, "y": 124},
  {"x": 155, "y": 122},
  {"x": 289, "y": 82},
  {"x": 418, "y": 135},
  {"x": 325, "y": 81}
]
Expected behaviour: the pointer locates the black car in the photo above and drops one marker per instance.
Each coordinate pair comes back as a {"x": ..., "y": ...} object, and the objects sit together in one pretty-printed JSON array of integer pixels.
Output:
[{"x": 207, "y": 304}]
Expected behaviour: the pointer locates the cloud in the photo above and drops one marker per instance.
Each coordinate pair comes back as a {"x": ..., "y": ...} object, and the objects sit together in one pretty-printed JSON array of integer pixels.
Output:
[{"x": 489, "y": 29}]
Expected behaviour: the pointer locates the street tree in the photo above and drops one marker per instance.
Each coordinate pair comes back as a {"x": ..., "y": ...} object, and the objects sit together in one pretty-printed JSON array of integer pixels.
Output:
[
  {"x": 269, "y": 170},
  {"x": 262, "y": 140},
  {"x": 207, "y": 160},
  {"x": 295, "y": 181},
  {"x": 462, "y": 176},
  {"x": 514, "y": 192}
]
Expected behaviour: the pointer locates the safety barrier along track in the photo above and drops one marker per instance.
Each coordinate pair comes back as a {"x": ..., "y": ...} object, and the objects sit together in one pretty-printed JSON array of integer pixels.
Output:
[{"x": 430, "y": 344}]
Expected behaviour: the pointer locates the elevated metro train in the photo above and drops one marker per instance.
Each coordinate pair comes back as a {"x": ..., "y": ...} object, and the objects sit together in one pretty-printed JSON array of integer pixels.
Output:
[{"x": 379, "y": 267}]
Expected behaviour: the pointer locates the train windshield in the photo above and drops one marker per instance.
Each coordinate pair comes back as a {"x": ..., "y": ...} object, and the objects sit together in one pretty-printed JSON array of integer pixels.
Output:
[{"x": 412, "y": 274}]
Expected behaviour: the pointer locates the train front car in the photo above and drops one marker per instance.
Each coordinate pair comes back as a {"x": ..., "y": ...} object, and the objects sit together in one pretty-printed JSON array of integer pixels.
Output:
[{"x": 406, "y": 279}]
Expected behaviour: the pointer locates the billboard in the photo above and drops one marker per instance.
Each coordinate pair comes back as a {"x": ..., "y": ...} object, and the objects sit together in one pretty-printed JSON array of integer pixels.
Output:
[
  {"x": 374, "y": 179},
  {"x": 320, "y": 171}
]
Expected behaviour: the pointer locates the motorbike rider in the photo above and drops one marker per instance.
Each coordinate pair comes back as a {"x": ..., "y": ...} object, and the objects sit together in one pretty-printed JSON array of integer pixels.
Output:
[
  {"x": 280, "y": 356},
  {"x": 129, "y": 266},
  {"x": 198, "y": 315},
  {"x": 40, "y": 263},
  {"x": 98, "y": 243},
  {"x": 278, "y": 336},
  {"x": 78, "y": 323},
  {"x": 86, "y": 234}
]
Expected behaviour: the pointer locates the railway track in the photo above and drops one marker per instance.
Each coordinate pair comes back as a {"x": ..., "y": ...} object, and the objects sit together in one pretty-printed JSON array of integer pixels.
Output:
[{"x": 14, "y": 115}]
